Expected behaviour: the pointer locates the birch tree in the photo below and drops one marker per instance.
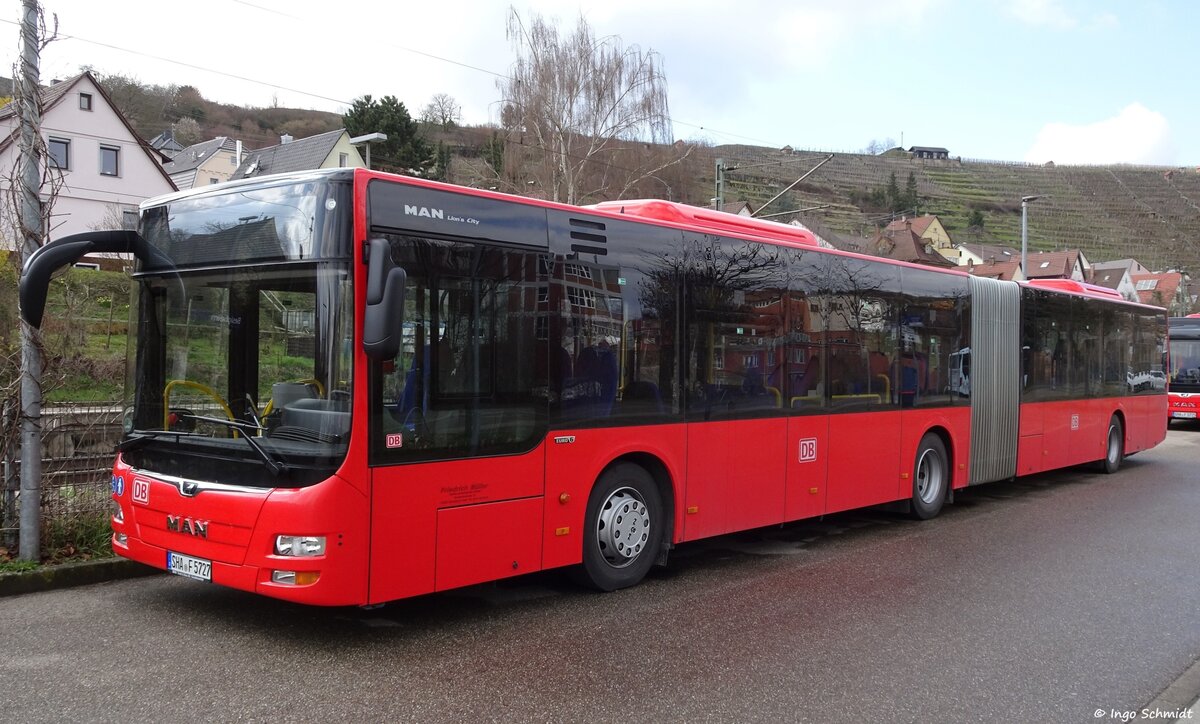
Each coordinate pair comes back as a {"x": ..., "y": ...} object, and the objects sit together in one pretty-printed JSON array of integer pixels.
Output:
[{"x": 582, "y": 112}]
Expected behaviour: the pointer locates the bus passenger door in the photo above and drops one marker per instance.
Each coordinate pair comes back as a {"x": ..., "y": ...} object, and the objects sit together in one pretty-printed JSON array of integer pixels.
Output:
[
  {"x": 736, "y": 412},
  {"x": 807, "y": 465},
  {"x": 735, "y": 472},
  {"x": 458, "y": 422}
]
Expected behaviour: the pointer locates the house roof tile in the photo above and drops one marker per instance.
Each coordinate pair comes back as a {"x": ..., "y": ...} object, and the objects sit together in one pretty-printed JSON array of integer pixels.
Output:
[
  {"x": 302, "y": 154},
  {"x": 1157, "y": 289},
  {"x": 919, "y": 225},
  {"x": 1051, "y": 264},
  {"x": 905, "y": 245},
  {"x": 195, "y": 155},
  {"x": 1005, "y": 270}
]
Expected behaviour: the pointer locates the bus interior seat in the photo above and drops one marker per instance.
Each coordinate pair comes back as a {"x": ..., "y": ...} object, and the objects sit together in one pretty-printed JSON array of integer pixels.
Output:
[{"x": 642, "y": 391}]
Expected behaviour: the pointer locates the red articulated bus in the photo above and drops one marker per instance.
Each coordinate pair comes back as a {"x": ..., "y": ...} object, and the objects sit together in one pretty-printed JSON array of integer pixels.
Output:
[
  {"x": 1183, "y": 370},
  {"x": 349, "y": 387}
]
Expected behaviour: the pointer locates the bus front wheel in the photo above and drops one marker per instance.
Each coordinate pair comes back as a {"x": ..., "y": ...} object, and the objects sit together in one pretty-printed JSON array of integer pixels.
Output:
[
  {"x": 931, "y": 477},
  {"x": 623, "y": 528}
]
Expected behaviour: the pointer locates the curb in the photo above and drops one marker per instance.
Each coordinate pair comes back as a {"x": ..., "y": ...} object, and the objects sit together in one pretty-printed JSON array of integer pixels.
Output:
[
  {"x": 1180, "y": 696},
  {"x": 69, "y": 575}
]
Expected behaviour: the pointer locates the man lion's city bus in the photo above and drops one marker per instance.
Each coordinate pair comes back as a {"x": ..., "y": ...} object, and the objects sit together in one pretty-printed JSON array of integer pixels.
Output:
[
  {"x": 1183, "y": 370},
  {"x": 347, "y": 387}
]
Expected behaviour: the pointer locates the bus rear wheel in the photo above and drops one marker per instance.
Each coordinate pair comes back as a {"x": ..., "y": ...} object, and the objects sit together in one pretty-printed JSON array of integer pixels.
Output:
[
  {"x": 931, "y": 477},
  {"x": 1114, "y": 446},
  {"x": 623, "y": 528}
]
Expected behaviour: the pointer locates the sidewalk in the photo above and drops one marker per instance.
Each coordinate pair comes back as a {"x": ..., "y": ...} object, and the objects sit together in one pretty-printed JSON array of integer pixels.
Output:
[{"x": 67, "y": 575}]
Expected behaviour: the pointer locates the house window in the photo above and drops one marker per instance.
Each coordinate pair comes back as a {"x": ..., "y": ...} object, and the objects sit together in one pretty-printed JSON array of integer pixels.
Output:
[
  {"x": 110, "y": 161},
  {"x": 85, "y": 101},
  {"x": 578, "y": 270},
  {"x": 129, "y": 219},
  {"x": 582, "y": 298},
  {"x": 212, "y": 181},
  {"x": 343, "y": 159},
  {"x": 60, "y": 153}
]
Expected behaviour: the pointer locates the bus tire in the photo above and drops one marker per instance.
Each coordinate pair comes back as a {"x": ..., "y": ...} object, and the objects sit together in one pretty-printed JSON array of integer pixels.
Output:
[
  {"x": 624, "y": 527},
  {"x": 931, "y": 477},
  {"x": 1114, "y": 446}
]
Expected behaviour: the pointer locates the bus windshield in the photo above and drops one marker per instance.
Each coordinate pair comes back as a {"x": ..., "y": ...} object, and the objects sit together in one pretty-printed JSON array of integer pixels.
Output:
[
  {"x": 241, "y": 372},
  {"x": 1185, "y": 365}
]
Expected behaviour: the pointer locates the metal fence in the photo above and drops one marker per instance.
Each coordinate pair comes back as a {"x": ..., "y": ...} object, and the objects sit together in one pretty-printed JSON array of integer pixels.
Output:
[{"x": 77, "y": 448}]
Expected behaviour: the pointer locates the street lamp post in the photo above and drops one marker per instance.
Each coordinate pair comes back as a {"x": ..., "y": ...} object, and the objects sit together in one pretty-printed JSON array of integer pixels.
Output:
[
  {"x": 1025, "y": 201},
  {"x": 365, "y": 141}
]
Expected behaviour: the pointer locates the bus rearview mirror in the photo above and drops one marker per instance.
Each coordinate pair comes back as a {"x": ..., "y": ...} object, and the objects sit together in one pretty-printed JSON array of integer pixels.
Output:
[{"x": 383, "y": 322}]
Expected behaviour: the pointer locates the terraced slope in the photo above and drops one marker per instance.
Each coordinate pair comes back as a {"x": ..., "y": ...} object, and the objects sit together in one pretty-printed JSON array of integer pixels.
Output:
[{"x": 1110, "y": 212}]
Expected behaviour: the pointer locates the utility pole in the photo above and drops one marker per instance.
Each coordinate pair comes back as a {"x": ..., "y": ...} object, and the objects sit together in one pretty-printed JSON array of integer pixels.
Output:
[
  {"x": 30, "y": 220},
  {"x": 720, "y": 177},
  {"x": 1025, "y": 202}
]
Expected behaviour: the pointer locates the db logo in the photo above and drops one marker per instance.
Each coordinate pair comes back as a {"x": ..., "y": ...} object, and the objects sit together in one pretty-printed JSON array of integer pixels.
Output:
[
  {"x": 141, "y": 491},
  {"x": 394, "y": 439},
  {"x": 808, "y": 450}
]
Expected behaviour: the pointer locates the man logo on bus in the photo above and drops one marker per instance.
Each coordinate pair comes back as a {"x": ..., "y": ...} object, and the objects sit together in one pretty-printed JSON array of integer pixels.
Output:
[
  {"x": 424, "y": 211},
  {"x": 808, "y": 449}
]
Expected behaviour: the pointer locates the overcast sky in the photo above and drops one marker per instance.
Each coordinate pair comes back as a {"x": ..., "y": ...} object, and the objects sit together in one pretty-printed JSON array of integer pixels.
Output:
[{"x": 1073, "y": 81}]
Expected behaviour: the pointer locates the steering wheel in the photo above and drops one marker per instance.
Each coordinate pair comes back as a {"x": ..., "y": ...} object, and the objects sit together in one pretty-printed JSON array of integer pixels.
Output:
[{"x": 167, "y": 412}]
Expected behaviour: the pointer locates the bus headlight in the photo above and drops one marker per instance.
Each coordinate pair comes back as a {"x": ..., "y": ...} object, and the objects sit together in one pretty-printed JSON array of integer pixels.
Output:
[
  {"x": 300, "y": 545},
  {"x": 118, "y": 513}
]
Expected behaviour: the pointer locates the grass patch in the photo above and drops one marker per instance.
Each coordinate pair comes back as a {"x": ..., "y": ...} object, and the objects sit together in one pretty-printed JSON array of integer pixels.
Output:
[
  {"x": 83, "y": 538},
  {"x": 10, "y": 566}
]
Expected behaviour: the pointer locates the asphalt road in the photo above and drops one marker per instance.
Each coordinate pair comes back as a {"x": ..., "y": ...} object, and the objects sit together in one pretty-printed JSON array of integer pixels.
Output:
[{"x": 1046, "y": 599}]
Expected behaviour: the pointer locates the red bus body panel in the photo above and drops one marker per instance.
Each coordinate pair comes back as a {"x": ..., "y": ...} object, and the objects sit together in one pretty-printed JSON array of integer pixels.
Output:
[
  {"x": 241, "y": 529},
  {"x": 407, "y": 502}
]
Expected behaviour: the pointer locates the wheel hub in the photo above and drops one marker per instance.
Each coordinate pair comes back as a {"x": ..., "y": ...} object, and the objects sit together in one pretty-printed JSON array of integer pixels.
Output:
[
  {"x": 929, "y": 477},
  {"x": 623, "y": 527}
]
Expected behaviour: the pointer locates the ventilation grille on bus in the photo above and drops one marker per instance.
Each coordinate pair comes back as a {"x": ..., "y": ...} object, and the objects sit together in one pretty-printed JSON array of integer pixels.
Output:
[{"x": 594, "y": 235}]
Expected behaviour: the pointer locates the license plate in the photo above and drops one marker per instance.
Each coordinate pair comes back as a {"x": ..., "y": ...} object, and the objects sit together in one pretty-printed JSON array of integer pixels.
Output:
[
  {"x": 1184, "y": 415},
  {"x": 189, "y": 567}
]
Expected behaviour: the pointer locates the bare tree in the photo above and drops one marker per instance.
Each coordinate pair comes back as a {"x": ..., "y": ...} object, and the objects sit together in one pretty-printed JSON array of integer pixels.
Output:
[
  {"x": 187, "y": 131},
  {"x": 583, "y": 111},
  {"x": 876, "y": 147},
  {"x": 442, "y": 110}
]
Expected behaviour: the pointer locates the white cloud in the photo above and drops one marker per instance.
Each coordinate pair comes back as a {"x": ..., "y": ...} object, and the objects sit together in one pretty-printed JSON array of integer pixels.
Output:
[
  {"x": 1053, "y": 14},
  {"x": 1042, "y": 13},
  {"x": 1135, "y": 135}
]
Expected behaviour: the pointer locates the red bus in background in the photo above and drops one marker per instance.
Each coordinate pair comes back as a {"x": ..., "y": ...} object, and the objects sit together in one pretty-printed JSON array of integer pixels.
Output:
[
  {"x": 1183, "y": 369},
  {"x": 349, "y": 387}
]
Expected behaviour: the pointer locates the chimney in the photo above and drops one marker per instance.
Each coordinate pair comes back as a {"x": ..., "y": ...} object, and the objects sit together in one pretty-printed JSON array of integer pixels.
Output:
[
  {"x": 238, "y": 153},
  {"x": 285, "y": 138}
]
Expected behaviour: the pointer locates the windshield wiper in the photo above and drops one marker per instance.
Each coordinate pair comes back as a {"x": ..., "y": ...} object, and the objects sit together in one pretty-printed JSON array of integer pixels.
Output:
[
  {"x": 138, "y": 438},
  {"x": 272, "y": 464}
]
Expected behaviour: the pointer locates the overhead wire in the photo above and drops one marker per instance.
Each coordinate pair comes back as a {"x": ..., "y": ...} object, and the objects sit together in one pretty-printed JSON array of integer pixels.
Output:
[{"x": 340, "y": 101}]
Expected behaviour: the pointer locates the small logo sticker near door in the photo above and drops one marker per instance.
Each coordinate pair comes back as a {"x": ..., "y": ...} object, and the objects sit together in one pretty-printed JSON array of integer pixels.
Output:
[
  {"x": 808, "y": 449},
  {"x": 394, "y": 439},
  {"x": 141, "y": 491}
]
